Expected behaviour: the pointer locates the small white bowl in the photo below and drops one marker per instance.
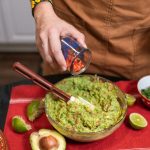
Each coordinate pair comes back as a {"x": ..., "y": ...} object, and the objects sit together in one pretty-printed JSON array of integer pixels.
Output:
[{"x": 144, "y": 83}]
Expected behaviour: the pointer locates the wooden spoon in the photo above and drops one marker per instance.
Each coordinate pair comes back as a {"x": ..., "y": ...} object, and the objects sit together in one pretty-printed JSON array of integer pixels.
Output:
[{"x": 37, "y": 79}]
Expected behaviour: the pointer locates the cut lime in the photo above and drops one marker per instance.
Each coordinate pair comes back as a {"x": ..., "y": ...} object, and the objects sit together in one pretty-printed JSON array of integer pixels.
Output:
[
  {"x": 35, "y": 109},
  {"x": 19, "y": 125},
  {"x": 130, "y": 99},
  {"x": 137, "y": 121}
]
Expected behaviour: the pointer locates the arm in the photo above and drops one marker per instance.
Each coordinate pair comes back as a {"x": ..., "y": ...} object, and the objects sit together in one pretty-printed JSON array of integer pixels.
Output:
[
  {"x": 34, "y": 3},
  {"x": 49, "y": 29}
]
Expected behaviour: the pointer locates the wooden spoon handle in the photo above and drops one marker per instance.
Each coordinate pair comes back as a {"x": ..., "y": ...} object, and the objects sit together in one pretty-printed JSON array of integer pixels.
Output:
[{"x": 37, "y": 79}]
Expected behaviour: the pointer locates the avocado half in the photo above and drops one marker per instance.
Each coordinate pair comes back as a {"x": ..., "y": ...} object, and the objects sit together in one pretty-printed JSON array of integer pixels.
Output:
[{"x": 36, "y": 136}]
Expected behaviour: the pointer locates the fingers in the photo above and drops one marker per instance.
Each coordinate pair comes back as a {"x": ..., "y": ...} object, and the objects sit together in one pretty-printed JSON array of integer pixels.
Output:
[
  {"x": 79, "y": 37},
  {"x": 50, "y": 52},
  {"x": 45, "y": 48},
  {"x": 55, "y": 46},
  {"x": 73, "y": 32},
  {"x": 48, "y": 41}
]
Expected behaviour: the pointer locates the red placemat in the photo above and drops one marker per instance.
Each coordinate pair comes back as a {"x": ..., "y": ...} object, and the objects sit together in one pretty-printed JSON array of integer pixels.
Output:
[{"x": 124, "y": 138}]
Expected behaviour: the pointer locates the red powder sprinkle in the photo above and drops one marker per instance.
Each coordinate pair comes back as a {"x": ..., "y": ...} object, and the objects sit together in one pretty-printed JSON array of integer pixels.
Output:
[{"x": 77, "y": 65}]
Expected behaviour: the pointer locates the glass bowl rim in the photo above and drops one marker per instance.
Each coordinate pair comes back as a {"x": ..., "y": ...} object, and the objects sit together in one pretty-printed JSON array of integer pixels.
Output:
[{"x": 119, "y": 121}]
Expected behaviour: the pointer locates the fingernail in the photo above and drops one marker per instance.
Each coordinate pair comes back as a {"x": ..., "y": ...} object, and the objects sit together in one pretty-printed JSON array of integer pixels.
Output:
[
  {"x": 64, "y": 68},
  {"x": 85, "y": 45}
]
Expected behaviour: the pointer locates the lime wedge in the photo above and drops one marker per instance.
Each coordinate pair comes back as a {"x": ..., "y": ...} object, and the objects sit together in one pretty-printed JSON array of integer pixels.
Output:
[
  {"x": 130, "y": 99},
  {"x": 35, "y": 109},
  {"x": 19, "y": 125},
  {"x": 137, "y": 121}
]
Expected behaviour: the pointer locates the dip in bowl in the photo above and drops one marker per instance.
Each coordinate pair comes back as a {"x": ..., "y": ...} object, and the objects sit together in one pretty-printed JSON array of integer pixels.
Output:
[{"x": 78, "y": 122}]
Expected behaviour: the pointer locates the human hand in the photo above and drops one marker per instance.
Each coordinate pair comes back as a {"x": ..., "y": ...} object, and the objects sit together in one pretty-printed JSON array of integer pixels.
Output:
[{"x": 49, "y": 29}]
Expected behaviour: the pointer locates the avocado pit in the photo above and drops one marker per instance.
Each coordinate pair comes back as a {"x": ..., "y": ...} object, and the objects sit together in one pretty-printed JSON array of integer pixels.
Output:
[{"x": 48, "y": 143}]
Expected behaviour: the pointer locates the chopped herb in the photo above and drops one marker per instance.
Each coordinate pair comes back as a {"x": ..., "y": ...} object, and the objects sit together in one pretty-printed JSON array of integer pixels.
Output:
[{"x": 146, "y": 92}]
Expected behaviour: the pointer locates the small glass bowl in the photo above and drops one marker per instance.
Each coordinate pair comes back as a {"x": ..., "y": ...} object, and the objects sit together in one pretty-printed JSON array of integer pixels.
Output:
[
  {"x": 143, "y": 83},
  {"x": 92, "y": 136},
  {"x": 77, "y": 57}
]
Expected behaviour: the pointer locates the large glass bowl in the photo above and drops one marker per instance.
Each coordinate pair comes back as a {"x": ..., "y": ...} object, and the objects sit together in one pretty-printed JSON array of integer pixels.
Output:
[{"x": 92, "y": 136}]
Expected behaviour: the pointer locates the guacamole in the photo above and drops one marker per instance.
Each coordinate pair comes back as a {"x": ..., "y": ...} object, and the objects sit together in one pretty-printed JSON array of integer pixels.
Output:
[{"x": 77, "y": 117}]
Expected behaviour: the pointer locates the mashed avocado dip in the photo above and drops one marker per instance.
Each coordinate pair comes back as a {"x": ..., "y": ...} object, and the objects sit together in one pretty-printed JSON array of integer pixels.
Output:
[{"x": 78, "y": 117}]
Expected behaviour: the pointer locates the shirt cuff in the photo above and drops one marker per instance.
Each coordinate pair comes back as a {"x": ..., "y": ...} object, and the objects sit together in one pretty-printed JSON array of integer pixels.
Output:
[{"x": 34, "y": 3}]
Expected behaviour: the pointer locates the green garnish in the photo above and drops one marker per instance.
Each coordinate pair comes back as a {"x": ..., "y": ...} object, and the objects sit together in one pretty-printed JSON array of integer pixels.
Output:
[{"x": 146, "y": 92}]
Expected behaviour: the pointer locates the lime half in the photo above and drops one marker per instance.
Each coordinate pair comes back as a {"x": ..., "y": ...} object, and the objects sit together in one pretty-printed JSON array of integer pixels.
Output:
[
  {"x": 19, "y": 125},
  {"x": 137, "y": 121}
]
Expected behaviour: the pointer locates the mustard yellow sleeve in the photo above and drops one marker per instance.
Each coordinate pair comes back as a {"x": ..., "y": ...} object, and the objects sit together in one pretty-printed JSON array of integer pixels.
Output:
[{"x": 36, "y": 2}]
